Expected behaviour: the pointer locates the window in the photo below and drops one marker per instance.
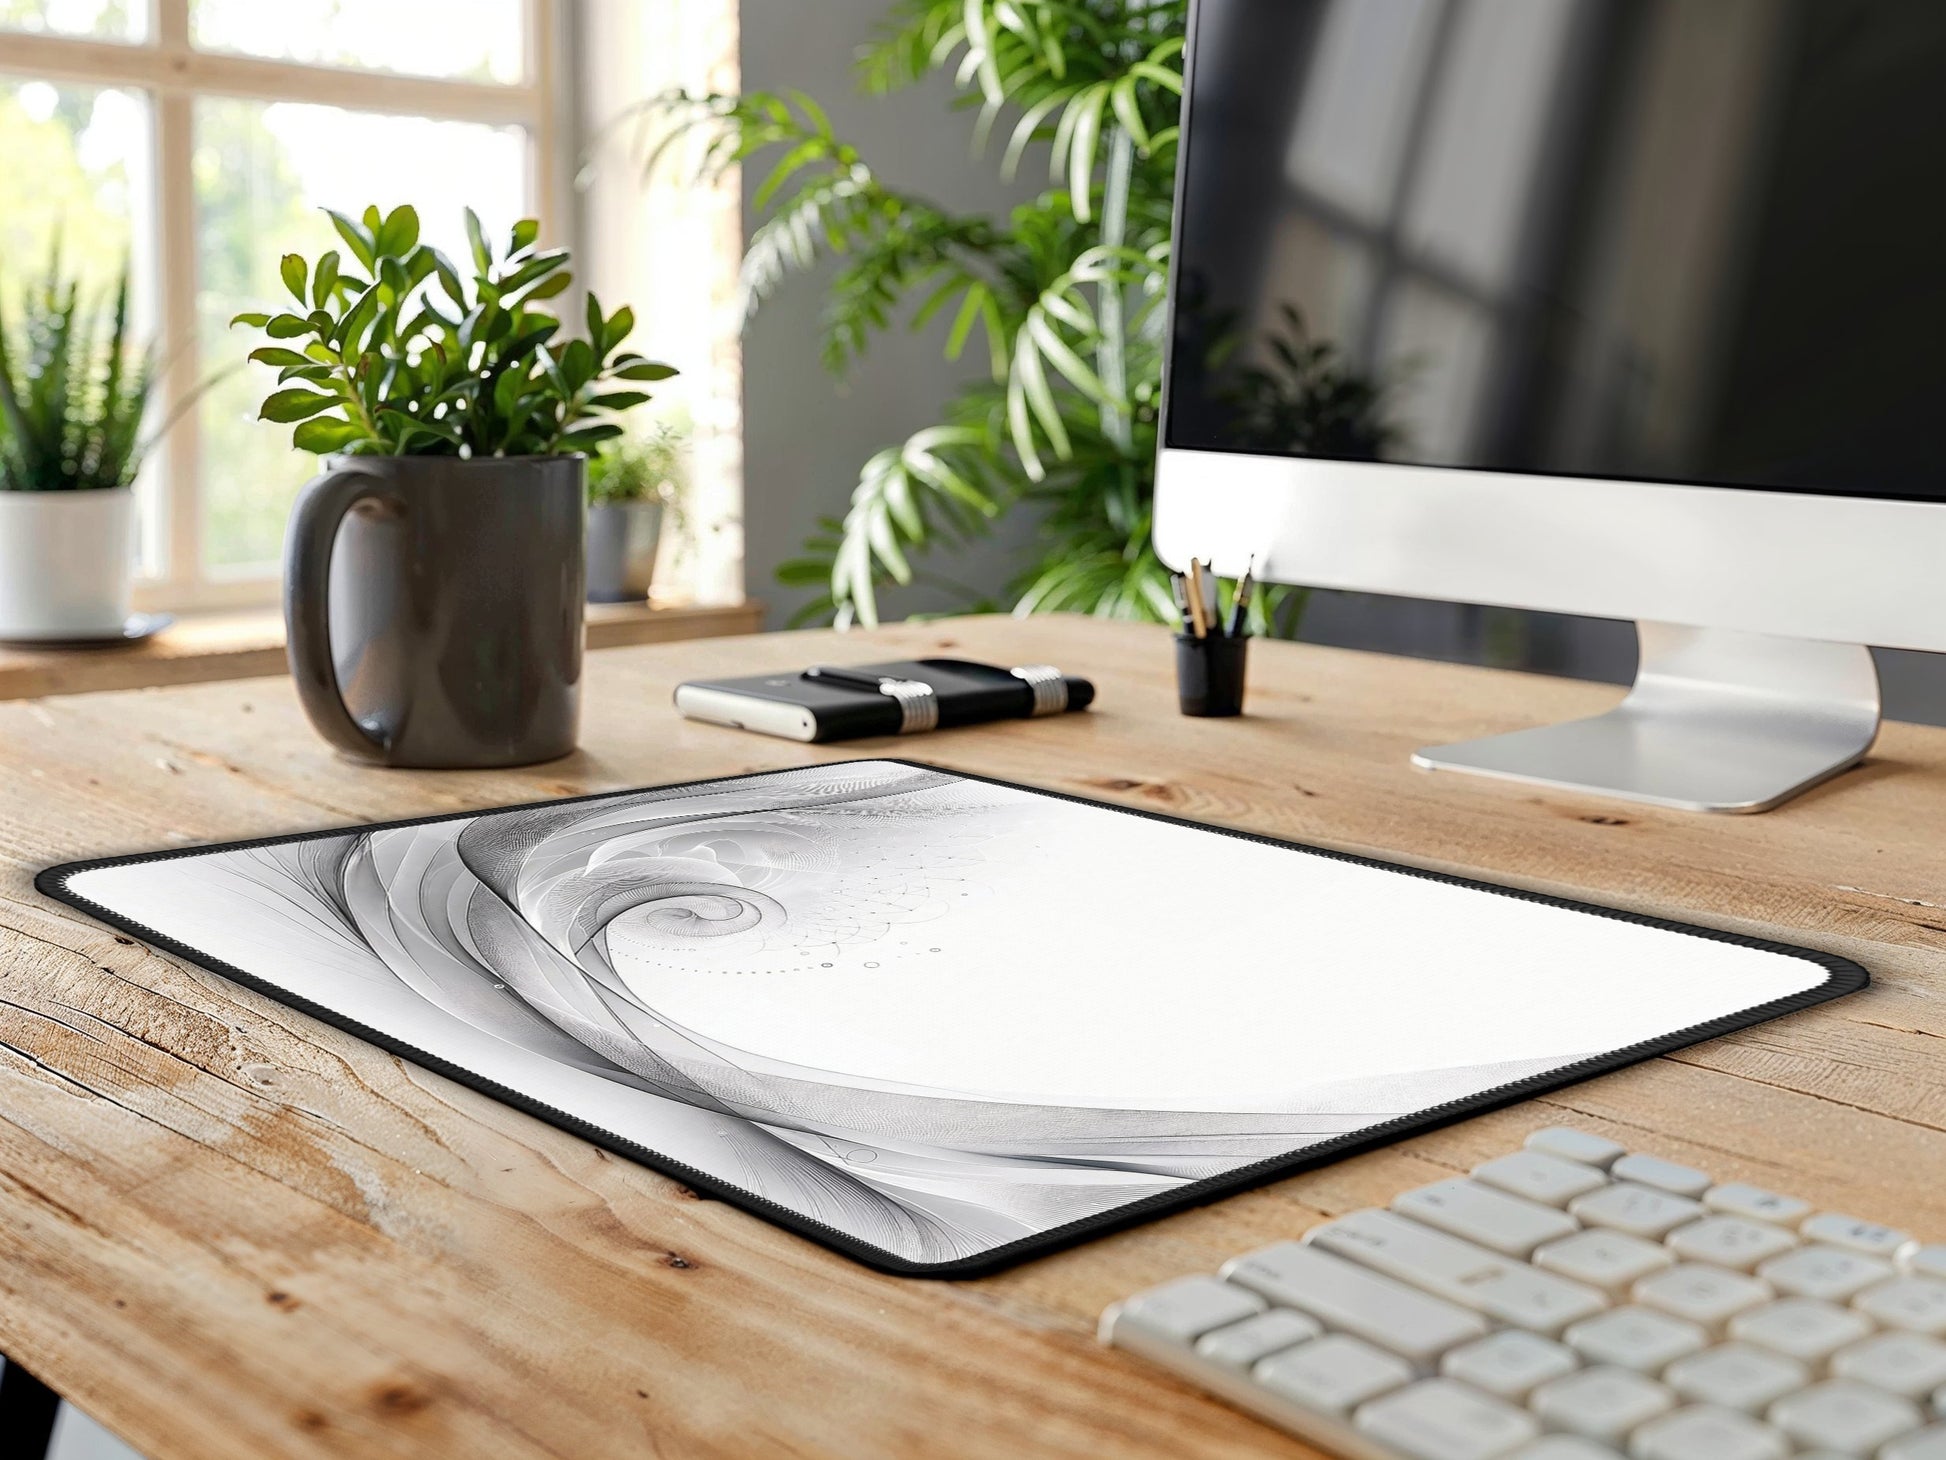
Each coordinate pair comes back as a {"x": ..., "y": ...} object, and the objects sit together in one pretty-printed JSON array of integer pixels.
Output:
[{"x": 197, "y": 139}]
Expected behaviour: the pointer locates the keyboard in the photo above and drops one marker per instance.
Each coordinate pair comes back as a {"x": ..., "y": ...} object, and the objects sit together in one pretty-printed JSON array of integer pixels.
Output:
[{"x": 1573, "y": 1300}]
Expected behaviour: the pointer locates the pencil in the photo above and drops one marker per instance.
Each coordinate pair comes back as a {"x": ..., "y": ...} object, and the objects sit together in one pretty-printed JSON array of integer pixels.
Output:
[{"x": 1199, "y": 621}]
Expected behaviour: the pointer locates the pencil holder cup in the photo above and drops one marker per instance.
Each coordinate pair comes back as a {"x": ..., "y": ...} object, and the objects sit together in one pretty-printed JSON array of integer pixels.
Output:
[{"x": 1209, "y": 674}]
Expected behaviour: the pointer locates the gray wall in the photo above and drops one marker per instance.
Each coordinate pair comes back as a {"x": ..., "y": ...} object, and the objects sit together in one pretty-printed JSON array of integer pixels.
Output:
[{"x": 805, "y": 434}]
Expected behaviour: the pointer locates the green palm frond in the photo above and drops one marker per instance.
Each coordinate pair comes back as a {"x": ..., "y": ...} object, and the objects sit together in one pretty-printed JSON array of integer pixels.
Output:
[
  {"x": 927, "y": 490},
  {"x": 1065, "y": 292}
]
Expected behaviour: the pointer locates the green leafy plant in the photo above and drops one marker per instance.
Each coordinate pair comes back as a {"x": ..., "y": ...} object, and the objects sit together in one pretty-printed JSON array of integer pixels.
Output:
[
  {"x": 650, "y": 467},
  {"x": 406, "y": 357},
  {"x": 73, "y": 391}
]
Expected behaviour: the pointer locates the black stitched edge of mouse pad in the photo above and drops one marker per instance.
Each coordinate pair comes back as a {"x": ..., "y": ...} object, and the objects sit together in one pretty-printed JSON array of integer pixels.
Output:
[{"x": 489, "y": 953}]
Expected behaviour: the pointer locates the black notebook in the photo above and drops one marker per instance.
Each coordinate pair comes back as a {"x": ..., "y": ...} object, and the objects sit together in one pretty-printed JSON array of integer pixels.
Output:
[{"x": 812, "y": 705}]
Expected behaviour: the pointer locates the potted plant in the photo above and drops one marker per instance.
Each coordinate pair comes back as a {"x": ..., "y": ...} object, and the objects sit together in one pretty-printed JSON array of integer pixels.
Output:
[
  {"x": 1063, "y": 292},
  {"x": 453, "y": 412},
  {"x": 73, "y": 392},
  {"x": 636, "y": 486}
]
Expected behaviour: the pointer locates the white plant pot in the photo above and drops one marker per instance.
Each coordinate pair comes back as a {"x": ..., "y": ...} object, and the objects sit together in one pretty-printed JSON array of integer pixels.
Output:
[{"x": 66, "y": 563}]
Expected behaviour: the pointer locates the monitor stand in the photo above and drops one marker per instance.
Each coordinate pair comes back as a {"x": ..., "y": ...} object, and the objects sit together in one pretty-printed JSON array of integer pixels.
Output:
[{"x": 1718, "y": 720}]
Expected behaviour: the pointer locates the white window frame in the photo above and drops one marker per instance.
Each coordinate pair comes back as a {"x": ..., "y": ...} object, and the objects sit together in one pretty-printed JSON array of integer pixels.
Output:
[{"x": 174, "y": 73}]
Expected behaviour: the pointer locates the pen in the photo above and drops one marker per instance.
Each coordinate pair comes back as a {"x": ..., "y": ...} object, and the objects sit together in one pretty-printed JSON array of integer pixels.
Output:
[
  {"x": 1181, "y": 595},
  {"x": 851, "y": 677},
  {"x": 1241, "y": 602}
]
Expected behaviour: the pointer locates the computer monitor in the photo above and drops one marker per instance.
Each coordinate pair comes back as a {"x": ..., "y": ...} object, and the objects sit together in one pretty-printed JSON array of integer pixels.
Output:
[{"x": 1632, "y": 308}]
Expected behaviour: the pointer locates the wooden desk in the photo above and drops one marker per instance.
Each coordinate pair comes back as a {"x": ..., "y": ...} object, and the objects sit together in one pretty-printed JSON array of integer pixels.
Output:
[
  {"x": 201, "y": 647},
  {"x": 227, "y": 1230}
]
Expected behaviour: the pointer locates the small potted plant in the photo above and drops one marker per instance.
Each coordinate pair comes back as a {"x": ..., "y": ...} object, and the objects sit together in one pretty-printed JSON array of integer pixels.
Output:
[
  {"x": 453, "y": 411},
  {"x": 73, "y": 392},
  {"x": 636, "y": 487}
]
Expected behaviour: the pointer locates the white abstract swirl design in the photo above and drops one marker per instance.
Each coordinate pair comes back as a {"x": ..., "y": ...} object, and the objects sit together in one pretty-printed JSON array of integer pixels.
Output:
[{"x": 552, "y": 929}]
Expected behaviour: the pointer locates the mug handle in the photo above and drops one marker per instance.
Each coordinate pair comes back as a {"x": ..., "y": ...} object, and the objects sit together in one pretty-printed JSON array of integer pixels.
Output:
[{"x": 320, "y": 507}]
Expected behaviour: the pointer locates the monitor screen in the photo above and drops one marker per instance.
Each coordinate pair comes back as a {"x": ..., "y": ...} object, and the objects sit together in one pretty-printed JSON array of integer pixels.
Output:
[{"x": 1696, "y": 241}]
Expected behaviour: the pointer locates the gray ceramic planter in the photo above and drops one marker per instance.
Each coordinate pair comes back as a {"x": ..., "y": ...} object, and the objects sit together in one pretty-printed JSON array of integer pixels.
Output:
[
  {"x": 622, "y": 542},
  {"x": 434, "y": 607}
]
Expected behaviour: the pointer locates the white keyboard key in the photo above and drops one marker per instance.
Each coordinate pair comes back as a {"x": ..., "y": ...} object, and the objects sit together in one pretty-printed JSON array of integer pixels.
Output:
[
  {"x": 1509, "y": 1364},
  {"x": 1576, "y": 1145},
  {"x": 1346, "y": 1296},
  {"x": 1916, "y": 1304},
  {"x": 1800, "y": 1328},
  {"x": 1242, "y": 1344},
  {"x": 1640, "y": 1211},
  {"x": 1707, "y": 1295},
  {"x": 1853, "y": 1235},
  {"x": 1926, "y": 1261},
  {"x": 1840, "y": 1415},
  {"x": 1540, "y": 1177},
  {"x": 1184, "y": 1310},
  {"x": 1611, "y": 1261},
  {"x": 1734, "y": 1199},
  {"x": 1565, "y": 1447},
  {"x": 1729, "y": 1242},
  {"x": 1635, "y": 1338},
  {"x": 1336, "y": 1373},
  {"x": 1703, "y": 1433},
  {"x": 1486, "y": 1216},
  {"x": 1442, "y": 1420},
  {"x": 1661, "y": 1174},
  {"x": 1928, "y": 1444},
  {"x": 1505, "y": 1290},
  {"x": 1736, "y": 1376},
  {"x": 1829, "y": 1274},
  {"x": 1905, "y": 1363},
  {"x": 1601, "y": 1404},
  {"x": 1538, "y": 1310}
]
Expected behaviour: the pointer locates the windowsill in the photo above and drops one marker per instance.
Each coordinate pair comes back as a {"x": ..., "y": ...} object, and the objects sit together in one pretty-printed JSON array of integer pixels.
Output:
[{"x": 201, "y": 647}]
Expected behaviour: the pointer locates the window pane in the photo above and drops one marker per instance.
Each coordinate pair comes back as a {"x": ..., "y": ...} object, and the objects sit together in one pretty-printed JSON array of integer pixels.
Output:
[
  {"x": 262, "y": 173},
  {"x": 74, "y": 165},
  {"x": 109, "y": 20},
  {"x": 474, "y": 40}
]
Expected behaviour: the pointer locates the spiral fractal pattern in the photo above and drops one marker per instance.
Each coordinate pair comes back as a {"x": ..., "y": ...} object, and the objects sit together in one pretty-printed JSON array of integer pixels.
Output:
[{"x": 536, "y": 926}]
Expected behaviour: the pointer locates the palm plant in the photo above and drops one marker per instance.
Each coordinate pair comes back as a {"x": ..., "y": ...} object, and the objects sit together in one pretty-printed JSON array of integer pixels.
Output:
[
  {"x": 1064, "y": 294},
  {"x": 73, "y": 391}
]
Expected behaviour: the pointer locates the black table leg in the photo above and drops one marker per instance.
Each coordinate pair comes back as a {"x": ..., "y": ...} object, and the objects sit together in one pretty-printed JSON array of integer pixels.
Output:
[{"x": 27, "y": 1410}]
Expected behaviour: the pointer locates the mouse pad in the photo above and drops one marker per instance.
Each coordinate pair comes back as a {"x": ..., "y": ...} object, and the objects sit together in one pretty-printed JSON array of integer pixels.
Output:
[{"x": 937, "y": 1022}]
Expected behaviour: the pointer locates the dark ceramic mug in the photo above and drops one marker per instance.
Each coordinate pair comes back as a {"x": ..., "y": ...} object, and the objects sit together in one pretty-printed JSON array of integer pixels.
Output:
[{"x": 434, "y": 607}]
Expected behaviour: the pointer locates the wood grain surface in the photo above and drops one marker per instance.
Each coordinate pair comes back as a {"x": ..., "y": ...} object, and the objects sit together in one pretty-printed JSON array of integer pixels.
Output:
[
  {"x": 199, "y": 648},
  {"x": 228, "y": 1230}
]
